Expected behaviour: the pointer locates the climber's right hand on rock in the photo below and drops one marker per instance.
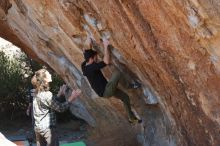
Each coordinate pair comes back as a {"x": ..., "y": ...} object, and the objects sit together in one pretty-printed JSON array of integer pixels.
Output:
[
  {"x": 106, "y": 43},
  {"x": 74, "y": 95}
]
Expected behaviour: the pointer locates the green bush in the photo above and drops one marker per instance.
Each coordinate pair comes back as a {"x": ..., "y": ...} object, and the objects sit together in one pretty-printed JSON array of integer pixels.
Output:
[{"x": 14, "y": 85}]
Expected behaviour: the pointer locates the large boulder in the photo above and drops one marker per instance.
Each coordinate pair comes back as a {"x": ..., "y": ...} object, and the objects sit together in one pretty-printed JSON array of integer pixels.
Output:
[{"x": 171, "y": 46}]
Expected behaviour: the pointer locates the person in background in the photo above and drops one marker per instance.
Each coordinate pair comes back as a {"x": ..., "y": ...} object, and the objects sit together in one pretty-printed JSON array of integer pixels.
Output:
[
  {"x": 29, "y": 110},
  {"x": 44, "y": 106},
  {"x": 30, "y": 135}
]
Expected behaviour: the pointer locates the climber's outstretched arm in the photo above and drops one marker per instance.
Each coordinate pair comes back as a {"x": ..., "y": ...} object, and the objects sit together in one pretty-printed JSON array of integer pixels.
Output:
[{"x": 107, "y": 53}]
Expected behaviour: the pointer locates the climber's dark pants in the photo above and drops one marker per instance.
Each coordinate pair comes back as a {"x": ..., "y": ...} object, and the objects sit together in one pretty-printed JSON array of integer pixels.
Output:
[{"x": 111, "y": 89}]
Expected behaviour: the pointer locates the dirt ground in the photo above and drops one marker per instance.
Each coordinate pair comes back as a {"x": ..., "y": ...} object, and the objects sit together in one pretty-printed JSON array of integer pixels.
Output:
[{"x": 70, "y": 130}]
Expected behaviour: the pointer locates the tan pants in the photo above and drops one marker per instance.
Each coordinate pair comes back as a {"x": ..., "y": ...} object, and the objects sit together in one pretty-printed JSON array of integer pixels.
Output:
[{"x": 47, "y": 137}]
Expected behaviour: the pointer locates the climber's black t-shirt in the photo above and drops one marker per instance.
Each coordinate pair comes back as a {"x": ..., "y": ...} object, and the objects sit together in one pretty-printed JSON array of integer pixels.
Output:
[{"x": 95, "y": 76}]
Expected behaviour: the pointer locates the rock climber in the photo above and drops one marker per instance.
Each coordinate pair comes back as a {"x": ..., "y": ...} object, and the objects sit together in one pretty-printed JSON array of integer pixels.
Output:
[
  {"x": 91, "y": 68},
  {"x": 44, "y": 106}
]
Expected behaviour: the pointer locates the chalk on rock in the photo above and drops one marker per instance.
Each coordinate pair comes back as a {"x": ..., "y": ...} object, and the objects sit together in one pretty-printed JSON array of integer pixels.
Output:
[
  {"x": 149, "y": 98},
  {"x": 99, "y": 26},
  {"x": 105, "y": 35},
  {"x": 90, "y": 20}
]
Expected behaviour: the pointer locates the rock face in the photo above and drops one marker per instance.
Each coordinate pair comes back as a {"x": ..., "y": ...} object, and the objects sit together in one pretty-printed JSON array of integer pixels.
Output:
[{"x": 171, "y": 46}]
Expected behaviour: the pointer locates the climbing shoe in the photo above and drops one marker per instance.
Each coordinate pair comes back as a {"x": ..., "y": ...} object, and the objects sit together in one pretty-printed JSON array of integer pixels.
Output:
[
  {"x": 135, "y": 120},
  {"x": 135, "y": 85}
]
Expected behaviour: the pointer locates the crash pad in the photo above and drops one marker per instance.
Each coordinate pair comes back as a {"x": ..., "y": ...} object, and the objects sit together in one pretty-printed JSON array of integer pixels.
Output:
[{"x": 74, "y": 144}]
